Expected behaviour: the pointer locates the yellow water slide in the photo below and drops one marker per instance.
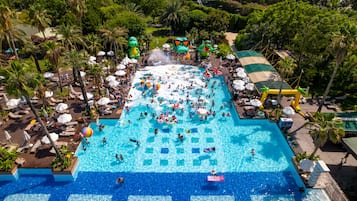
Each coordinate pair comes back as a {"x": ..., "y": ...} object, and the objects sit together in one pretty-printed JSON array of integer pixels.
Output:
[{"x": 297, "y": 92}]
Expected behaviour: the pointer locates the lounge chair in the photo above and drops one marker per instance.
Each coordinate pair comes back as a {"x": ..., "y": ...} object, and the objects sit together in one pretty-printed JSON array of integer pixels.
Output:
[
  {"x": 67, "y": 133},
  {"x": 73, "y": 91},
  {"x": 35, "y": 146},
  {"x": 215, "y": 178},
  {"x": 20, "y": 161},
  {"x": 53, "y": 100},
  {"x": 21, "y": 149},
  {"x": 72, "y": 123},
  {"x": 14, "y": 116}
]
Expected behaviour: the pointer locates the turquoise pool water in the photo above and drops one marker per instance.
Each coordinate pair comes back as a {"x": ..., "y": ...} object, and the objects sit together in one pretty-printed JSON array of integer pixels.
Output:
[{"x": 163, "y": 168}]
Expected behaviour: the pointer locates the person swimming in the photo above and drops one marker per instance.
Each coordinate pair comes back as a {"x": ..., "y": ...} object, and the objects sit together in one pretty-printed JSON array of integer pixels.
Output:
[{"x": 135, "y": 141}]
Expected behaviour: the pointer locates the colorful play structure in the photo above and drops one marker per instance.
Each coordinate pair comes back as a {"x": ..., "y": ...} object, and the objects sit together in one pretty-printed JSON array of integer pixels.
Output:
[
  {"x": 134, "y": 51},
  {"x": 181, "y": 45},
  {"x": 297, "y": 92},
  {"x": 205, "y": 49}
]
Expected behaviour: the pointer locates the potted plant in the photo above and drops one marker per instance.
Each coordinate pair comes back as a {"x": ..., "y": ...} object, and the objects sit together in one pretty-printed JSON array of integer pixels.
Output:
[
  {"x": 64, "y": 170},
  {"x": 7, "y": 164}
]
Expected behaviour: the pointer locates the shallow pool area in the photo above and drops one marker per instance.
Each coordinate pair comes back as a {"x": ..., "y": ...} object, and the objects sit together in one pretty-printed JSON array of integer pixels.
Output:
[{"x": 172, "y": 100}]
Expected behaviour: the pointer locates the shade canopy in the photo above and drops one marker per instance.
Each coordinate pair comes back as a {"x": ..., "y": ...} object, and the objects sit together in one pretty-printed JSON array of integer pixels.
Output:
[
  {"x": 64, "y": 118},
  {"x": 351, "y": 145},
  {"x": 48, "y": 94},
  {"x": 121, "y": 67},
  {"x": 48, "y": 75},
  {"x": 89, "y": 96},
  {"x": 54, "y": 137},
  {"x": 13, "y": 102},
  {"x": 103, "y": 101},
  {"x": 120, "y": 73},
  {"x": 61, "y": 107},
  {"x": 255, "y": 102},
  {"x": 288, "y": 111},
  {"x": 110, "y": 78},
  {"x": 101, "y": 53}
]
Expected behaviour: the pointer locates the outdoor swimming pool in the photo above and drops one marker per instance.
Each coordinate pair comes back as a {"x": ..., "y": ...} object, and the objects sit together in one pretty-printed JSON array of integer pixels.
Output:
[{"x": 165, "y": 168}]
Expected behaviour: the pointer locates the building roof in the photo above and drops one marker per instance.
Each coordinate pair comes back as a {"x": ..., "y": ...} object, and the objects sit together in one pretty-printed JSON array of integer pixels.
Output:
[{"x": 351, "y": 145}]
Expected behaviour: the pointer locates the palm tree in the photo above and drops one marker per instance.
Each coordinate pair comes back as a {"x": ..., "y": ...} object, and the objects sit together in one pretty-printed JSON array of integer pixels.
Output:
[
  {"x": 78, "y": 8},
  {"x": 21, "y": 81},
  {"x": 34, "y": 50},
  {"x": 71, "y": 36},
  {"x": 171, "y": 16},
  {"x": 97, "y": 73},
  {"x": 325, "y": 127},
  {"x": 76, "y": 59},
  {"x": 38, "y": 17},
  {"x": 113, "y": 36},
  {"x": 341, "y": 42},
  {"x": 93, "y": 43},
  {"x": 7, "y": 17},
  {"x": 53, "y": 54},
  {"x": 286, "y": 67}
]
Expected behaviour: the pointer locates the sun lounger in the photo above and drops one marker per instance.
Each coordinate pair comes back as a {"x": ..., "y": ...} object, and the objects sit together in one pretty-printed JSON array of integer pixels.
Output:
[
  {"x": 35, "y": 146},
  {"x": 67, "y": 133},
  {"x": 55, "y": 100},
  {"x": 215, "y": 178},
  {"x": 73, "y": 96},
  {"x": 73, "y": 91},
  {"x": 14, "y": 116},
  {"x": 20, "y": 161},
  {"x": 70, "y": 129},
  {"x": 72, "y": 123}
]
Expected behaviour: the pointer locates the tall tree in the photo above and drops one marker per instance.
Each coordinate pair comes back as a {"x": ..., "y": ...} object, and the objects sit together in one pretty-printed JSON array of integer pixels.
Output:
[
  {"x": 286, "y": 68},
  {"x": 38, "y": 17},
  {"x": 53, "y": 54},
  {"x": 324, "y": 127},
  {"x": 172, "y": 15},
  {"x": 22, "y": 82},
  {"x": 113, "y": 36},
  {"x": 7, "y": 18},
  {"x": 71, "y": 36},
  {"x": 34, "y": 50},
  {"x": 93, "y": 43},
  {"x": 79, "y": 8},
  {"x": 341, "y": 42}
]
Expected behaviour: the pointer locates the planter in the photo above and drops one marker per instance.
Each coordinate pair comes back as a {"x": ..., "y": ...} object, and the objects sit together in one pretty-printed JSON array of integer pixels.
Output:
[
  {"x": 68, "y": 174},
  {"x": 11, "y": 175}
]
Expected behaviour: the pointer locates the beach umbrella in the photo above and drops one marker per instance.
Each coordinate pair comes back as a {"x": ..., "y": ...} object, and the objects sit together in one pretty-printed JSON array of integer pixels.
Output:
[
  {"x": 82, "y": 73},
  {"x": 92, "y": 58},
  {"x": 101, "y": 53},
  {"x": 27, "y": 137},
  {"x": 110, "y": 53},
  {"x": 166, "y": 46},
  {"x": 238, "y": 82},
  {"x": 246, "y": 79},
  {"x": 7, "y": 136},
  {"x": 13, "y": 102},
  {"x": 120, "y": 73},
  {"x": 61, "y": 107},
  {"x": 255, "y": 102},
  {"x": 250, "y": 86},
  {"x": 239, "y": 69},
  {"x": 48, "y": 94},
  {"x": 230, "y": 57},
  {"x": 238, "y": 87},
  {"x": 64, "y": 118},
  {"x": 2, "y": 77},
  {"x": 54, "y": 137},
  {"x": 121, "y": 67},
  {"x": 89, "y": 96},
  {"x": 288, "y": 111},
  {"x": 241, "y": 74},
  {"x": 307, "y": 165},
  {"x": 110, "y": 78},
  {"x": 103, "y": 101},
  {"x": 133, "y": 61},
  {"x": 87, "y": 132},
  {"x": 48, "y": 75},
  {"x": 113, "y": 83},
  {"x": 126, "y": 60}
]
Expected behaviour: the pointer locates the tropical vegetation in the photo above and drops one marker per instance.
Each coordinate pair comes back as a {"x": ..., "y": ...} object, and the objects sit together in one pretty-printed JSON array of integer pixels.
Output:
[{"x": 7, "y": 159}]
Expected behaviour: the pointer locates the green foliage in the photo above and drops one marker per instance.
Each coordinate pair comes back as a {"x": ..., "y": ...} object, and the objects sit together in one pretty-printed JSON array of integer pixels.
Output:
[
  {"x": 67, "y": 160},
  {"x": 134, "y": 23},
  {"x": 304, "y": 155},
  {"x": 7, "y": 159},
  {"x": 223, "y": 50},
  {"x": 49, "y": 111},
  {"x": 63, "y": 94}
]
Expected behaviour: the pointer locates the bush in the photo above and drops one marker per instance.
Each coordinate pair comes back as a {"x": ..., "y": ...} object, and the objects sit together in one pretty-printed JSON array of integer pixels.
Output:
[
  {"x": 67, "y": 159},
  {"x": 304, "y": 155},
  {"x": 7, "y": 159}
]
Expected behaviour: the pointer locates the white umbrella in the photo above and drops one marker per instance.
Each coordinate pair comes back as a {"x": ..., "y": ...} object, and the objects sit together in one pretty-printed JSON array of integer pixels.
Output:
[
  {"x": 2, "y": 77},
  {"x": 61, "y": 107},
  {"x": 288, "y": 111},
  {"x": 48, "y": 94},
  {"x": 126, "y": 60},
  {"x": 103, "y": 101},
  {"x": 64, "y": 118},
  {"x": 101, "y": 53},
  {"x": 238, "y": 87},
  {"x": 53, "y": 136},
  {"x": 121, "y": 67},
  {"x": 110, "y": 78},
  {"x": 89, "y": 96},
  {"x": 307, "y": 165},
  {"x": 82, "y": 73},
  {"x": 110, "y": 53},
  {"x": 133, "y": 61},
  {"x": 120, "y": 73},
  {"x": 113, "y": 83},
  {"x": 7, "y": 136},
  {"x": 241, "y": 74},
  {"x": 48, "y": 75},
  {"x": 246, "y": 79},
  {"x": 238, "y": 82},
  {"x": 13, "y": 102},
  {"x": 249, "y": 86},
  {"x": 239, "y": 69},
  {"x": 202, "y": 111},
  {"x": 106, "y": 68},
  {"x": 91, "y": 62},
  {"x": 166, "y": 46},
  {"x": 92, "y": 58},
  {"x": 230, "y": 57},
  {"x": 255, "y": 102},
  {"x": 27, "y": 137}
]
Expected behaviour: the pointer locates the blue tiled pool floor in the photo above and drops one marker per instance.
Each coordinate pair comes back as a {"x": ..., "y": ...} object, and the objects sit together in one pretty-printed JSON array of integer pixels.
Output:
[{"x": 145, "y": 186}]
